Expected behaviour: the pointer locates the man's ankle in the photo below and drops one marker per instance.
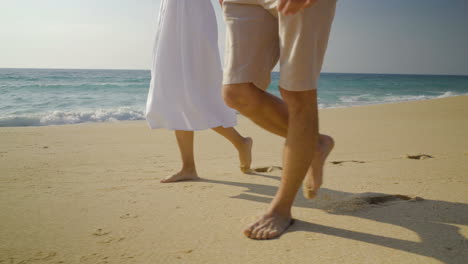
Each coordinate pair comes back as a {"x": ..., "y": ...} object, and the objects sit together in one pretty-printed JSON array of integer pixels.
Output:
[
  {"x": 279, "y": 210},
  {"x": 189, "y": 169}
]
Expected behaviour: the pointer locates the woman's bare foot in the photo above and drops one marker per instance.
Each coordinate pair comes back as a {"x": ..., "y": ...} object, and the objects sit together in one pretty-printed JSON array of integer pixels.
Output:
[
  {"x": 314, "y": 177},
  {"x": 269, "y": 226},
  {"x": 183, "y": 175},
  {"x": 245, "y": 155}
]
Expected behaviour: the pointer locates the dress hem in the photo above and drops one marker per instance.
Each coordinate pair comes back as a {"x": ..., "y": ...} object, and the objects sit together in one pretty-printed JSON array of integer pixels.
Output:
[{"x": 196, "y": 129}]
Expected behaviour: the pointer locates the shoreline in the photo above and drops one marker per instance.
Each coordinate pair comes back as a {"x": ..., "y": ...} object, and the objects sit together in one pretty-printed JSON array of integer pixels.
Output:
[{"x": 320, "y": 109}]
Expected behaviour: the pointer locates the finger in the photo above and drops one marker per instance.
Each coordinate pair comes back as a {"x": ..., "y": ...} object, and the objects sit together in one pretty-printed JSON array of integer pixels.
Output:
[
  {"x": 282, "y": 4},
  {"x": 292, "y": 8},
  {"x": 287, "y": 7},
  {"x": 309, "y": 3}
]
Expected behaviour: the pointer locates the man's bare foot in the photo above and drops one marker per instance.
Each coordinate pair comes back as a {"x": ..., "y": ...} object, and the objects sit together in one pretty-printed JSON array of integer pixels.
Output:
[
  {"x": 314, "y": 176},
  {"x": 183, "y": 175},
  {"x": 269, "y": 226},
  {"x": 245, "y": 155}
]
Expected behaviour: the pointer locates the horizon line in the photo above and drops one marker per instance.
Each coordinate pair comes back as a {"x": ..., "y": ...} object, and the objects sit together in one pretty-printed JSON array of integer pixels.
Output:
[{"x": 123, "y": 69}]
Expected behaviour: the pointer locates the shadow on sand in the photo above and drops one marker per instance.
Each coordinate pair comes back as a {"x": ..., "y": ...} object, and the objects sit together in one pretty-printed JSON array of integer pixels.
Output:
[{"x": 433, "y": 221}]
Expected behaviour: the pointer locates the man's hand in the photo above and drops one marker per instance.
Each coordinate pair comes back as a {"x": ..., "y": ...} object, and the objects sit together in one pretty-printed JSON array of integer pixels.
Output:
[
  {"x": 291, "y": 7},
  {"x": 221, "y": 2}
]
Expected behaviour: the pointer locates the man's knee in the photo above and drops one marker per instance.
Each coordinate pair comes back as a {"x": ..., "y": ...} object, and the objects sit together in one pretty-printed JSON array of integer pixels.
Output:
[
  {"x": 300, "y": 101},
  {"x": 237, "y": 96}
]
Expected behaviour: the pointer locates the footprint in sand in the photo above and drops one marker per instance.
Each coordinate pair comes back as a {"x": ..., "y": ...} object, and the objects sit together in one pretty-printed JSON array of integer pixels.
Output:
[
  {"x": 366, "y": 200},
  {"x": 340, "y": 162},
  {"x": 110, "y": 240},
  {"x": 95, "y": 259},
  {"x": 206, "y": 187},
  {"x": 100, "y": 232},
  {"x": 44, "y": 256},
  {"x": 127, "y": 256},
  {"x": 128, "y": 216},
  {"x": 106, "y": 241},
  {"x": 39, "y": 256},
  {"x": 266, "y": 169},
  {"x": 419, "y": 156},
  {"x": 186, "y": 252}
]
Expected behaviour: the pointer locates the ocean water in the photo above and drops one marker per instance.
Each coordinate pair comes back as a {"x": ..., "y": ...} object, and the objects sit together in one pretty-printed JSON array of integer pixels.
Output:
[{"x": 39, "y": 97}]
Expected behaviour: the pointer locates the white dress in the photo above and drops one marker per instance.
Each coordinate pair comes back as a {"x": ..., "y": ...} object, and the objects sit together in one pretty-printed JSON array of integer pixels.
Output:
[{"x": 186, "y": 84}]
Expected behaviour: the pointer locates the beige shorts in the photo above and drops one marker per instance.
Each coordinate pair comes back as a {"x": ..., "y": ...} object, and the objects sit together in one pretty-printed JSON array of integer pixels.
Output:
[{"x": 257, "y": 36}]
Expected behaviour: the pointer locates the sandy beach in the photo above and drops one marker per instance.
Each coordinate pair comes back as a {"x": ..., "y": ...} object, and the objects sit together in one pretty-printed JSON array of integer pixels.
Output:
[{"x": 395, "y": 191}]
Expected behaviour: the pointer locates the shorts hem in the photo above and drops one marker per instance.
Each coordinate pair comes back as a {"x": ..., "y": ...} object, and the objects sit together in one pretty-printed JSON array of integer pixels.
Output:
[
  {"x": 263, "y": 85},
  {"x": 297, "y": 86}
]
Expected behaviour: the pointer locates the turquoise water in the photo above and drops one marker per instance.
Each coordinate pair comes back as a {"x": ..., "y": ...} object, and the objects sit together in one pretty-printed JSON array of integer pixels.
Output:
[
  {"x": 37, "y": 97},
  {"x": 346, "y": 90}
]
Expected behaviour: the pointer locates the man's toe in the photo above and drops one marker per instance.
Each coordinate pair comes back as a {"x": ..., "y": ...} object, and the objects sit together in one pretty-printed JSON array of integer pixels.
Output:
[
  {"x": 261, "y": 234},
  {"x": 266, "y": 234},
  {"x": 254, "y": 233},
  {"x": 248, "y": 232},
  {"x": 272, "y": 234}
]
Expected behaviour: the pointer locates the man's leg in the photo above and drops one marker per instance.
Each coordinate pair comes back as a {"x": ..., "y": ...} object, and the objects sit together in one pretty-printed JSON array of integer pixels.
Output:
[
  {"x": 271, "y": 113},
  {"x": 247, "y": 59},
  {"x": 298, "y": 153},
  {"x": 304, "y": 39},
  {"x": 263, "y": 108}
]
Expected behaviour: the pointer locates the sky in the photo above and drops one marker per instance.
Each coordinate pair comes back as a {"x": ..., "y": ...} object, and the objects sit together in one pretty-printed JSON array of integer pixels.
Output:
[{"x": 368, "y": 36}]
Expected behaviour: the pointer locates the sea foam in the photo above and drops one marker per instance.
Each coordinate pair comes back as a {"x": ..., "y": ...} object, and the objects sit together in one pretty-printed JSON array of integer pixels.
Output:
[{"x": 73, "y": 117}]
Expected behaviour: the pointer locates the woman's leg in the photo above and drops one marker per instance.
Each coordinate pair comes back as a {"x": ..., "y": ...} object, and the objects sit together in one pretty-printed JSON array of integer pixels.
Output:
[
  {"x": 242, "y": 144},
  {"x": 188, "y": 171}
]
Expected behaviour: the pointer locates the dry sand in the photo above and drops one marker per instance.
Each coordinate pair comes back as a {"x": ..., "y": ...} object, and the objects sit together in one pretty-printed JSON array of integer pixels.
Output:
[{"x": 90, "y": 193}]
